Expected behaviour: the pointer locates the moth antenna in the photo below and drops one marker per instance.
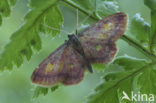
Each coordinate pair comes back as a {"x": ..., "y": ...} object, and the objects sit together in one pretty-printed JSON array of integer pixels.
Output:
[
  {"x": 54, "y": 28},
  {"x": 77, "y": 20}
]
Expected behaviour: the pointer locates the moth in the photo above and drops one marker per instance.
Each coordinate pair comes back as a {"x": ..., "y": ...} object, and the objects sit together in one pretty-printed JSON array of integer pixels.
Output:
[{"x": 96, "y": 44}]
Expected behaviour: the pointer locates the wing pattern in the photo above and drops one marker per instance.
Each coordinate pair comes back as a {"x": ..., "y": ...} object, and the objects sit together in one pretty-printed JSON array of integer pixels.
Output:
[
  {"x": 98, "y": 41},
  {"x": 64, "y": 65},
  {"x": 67, "y": 65}
]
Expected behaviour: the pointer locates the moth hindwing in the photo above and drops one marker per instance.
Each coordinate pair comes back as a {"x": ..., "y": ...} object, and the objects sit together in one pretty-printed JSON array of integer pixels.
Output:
[{"x": 67, "y": 64}]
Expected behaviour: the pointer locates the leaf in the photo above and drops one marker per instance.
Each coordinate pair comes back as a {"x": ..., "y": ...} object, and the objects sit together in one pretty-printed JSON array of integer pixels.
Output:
[
  {"x": 102, "y": 8},
  {"x": 125, "y": 60},
  {"x": 99, "y": 66},
  {"x": 27, "y": 37},
  {"x": 140, "y": 29},
  {"x": 41, "y": 90},
  {"x": 85, "y": 4},
  {"x": 108, "y": 89},
  {"x": 47, "y": 15},
  {"x": 5, "y": 8},
  {"x": 153, "y": 31},
  {"x": 115, "y": 83},
  {"x": 12, "y": 2},
  {"x": 0, "y": 20},
  {"x": 146, "y": 82},
  {"x": 152, "y": 5},
  {"x": 105, "y": 8}
]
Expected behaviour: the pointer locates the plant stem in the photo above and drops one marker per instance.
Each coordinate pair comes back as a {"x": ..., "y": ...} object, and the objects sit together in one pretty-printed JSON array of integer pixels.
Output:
[
  {"x": 131, "y": 74},
  {"x": 125, "y": 38},
  {"x": 72, "y": 4},
  {"x": 138, "y": 47}
]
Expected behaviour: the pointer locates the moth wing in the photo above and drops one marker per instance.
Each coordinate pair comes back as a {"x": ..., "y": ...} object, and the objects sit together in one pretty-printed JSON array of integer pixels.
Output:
[
  {"x": 64, "y": 65},
  {"x": 99, "y": 51},
  {"x": 98, "y": 41},
  {"x": 111, "y": 27},
  {"x": 74, "y": 67}
]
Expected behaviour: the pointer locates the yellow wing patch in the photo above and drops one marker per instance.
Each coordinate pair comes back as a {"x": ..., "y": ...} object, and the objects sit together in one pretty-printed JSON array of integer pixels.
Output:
[
  {"x": 108, "y": 26},
  {"x": 102, "y": 36},
  {"x": 98, "y": 47},
  {"x": 71, "y": 66},
  {"x": 49, "y": 67}
]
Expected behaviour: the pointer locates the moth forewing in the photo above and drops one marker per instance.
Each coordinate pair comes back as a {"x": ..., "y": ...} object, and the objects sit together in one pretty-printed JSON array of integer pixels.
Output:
[{"x": 96, "y": 44}]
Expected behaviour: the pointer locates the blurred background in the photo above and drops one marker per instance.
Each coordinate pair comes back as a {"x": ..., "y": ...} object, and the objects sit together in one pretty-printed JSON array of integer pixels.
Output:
[{"x": 16, "y": 86}]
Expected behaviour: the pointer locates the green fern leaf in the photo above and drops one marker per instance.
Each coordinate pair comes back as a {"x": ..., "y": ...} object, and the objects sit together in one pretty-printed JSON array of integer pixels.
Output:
[
  {"x": 140, "y": 30},
  {"x": 85, "y": 4},
  {"x": 27, "y": 37},
  {"x": 40, "y": 90},
  {"x": 105, "y": 8},
  {"x": 127, "y": 69},
  {"x": 5, "y": 8},
  {"x": 101, "y": 7},
  {"x": 152, "y": 5},
  {"x": 146, "y": 81},
  {"x": 0, "y": 20},
  {"x": 153, "y": 31}
]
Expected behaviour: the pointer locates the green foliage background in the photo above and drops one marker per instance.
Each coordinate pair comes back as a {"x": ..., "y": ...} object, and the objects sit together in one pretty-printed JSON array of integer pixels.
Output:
[{"x": 15, "y": 85}]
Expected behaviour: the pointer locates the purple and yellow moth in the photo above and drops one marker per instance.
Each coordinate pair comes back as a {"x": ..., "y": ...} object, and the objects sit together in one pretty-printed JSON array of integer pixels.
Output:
[{"x": 96, "y": 44}]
